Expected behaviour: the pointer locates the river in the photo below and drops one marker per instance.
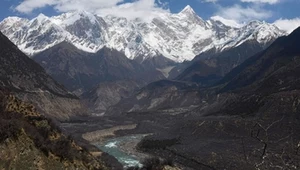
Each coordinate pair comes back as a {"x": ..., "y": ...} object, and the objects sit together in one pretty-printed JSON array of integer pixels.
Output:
[{"x": 123, "y": 149}]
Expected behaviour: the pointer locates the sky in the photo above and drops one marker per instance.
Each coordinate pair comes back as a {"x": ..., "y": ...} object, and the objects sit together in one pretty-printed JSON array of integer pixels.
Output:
[{"x": 284, "y": 13}]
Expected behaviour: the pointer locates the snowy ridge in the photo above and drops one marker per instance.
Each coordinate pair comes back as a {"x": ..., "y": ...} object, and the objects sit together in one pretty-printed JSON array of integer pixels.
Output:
[{"x": 178, "y": 37}]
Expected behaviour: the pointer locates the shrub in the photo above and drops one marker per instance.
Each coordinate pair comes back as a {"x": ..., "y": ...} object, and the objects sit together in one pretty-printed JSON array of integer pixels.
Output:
[
  {"x": 153, "y": 163},
  {"x": 156, "y": 144},
  {"x": 8, "y": 129},
  {"x": 134, "y": 168}
]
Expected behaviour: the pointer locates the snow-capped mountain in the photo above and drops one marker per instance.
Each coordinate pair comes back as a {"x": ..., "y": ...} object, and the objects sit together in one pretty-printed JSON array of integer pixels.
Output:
[{"x": 178, "y": 37}]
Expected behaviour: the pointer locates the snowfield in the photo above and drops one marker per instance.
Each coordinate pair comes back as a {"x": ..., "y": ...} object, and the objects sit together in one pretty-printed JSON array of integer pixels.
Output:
[{"x": 179, "y": 36}]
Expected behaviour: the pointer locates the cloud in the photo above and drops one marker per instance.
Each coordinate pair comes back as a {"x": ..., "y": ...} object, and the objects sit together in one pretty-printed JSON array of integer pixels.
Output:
[
  {"x": 228, "y": 22},
  {"x": 243, "y": 14},
  {"x": 144, "y": 9},
  {"x": 27, "y": 6},
  {"x": 249, "y": 1},
  {"x": 288, "y": 25},
  {"x": 262, "y": 1},
  {"x": 210, "y": 1}
]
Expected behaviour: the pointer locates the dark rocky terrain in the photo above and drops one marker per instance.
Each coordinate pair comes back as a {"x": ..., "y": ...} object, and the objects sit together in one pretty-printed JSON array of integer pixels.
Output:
[
  {"x": 78, "y": 70},
  {"x": 29, "y": 81},
  {"x": 98, "y": 77},
  {"x": 209, "y": 67}
]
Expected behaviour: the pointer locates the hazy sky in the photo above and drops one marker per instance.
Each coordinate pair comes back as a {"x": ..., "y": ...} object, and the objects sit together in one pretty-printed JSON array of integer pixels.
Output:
[{"x": 284, "y": 13}]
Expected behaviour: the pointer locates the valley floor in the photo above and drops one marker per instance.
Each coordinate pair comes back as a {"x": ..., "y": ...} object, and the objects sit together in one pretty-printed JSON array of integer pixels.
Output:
[
  {"x": 202, "y": 142},
  {"x": 125, "y": 131}
]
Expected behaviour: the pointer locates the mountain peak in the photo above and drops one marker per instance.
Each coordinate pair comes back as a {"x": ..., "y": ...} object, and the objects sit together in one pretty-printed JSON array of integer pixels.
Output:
[
  {"x": 73, "y": 16},
  {"x": 81, "y": 12},
  {"x": 255, "y": 23},
  {"x": 85, "y": 14},
  {"x": 188, "y": 10},
  {"x": 41, "y": 17}
]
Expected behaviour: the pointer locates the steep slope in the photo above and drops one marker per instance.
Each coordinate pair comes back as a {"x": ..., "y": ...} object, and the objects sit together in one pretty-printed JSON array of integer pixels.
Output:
[
  {"x": 107, "y": 94},
  {"x": 79, "y": 70},
  {"x": 30, "y": 141},
  {"x": 178, "y": 37},
  {"x": 201, "y": 73},
  {"x": 278, "y": 56},
  {"x": 220, "y": 63},
  {"x": 30, "y": 82},
  {"x": 65, "y": 64},
  {"x": 267, "y": 79}
]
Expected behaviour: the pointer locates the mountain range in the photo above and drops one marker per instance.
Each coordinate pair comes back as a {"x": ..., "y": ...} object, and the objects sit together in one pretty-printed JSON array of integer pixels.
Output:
[{"x": 178, "y": 37}]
